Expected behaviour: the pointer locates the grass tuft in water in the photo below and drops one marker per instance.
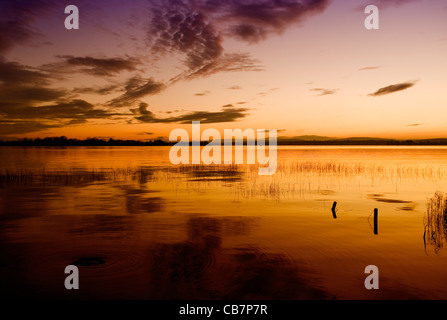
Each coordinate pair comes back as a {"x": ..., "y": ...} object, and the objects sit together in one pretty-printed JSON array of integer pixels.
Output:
[{"x": 435, "y": 221}]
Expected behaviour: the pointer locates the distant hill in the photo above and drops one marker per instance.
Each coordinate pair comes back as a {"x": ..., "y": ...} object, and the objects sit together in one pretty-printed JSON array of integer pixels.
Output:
[
  {"x": 322, "y": 140},
  {"x": 363, "y": 139},
  {"x": 310, "y": 138}
]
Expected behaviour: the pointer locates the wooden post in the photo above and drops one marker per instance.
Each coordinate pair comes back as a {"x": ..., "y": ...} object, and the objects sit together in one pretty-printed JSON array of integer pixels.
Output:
[
  {"x": 376, "y": 227},
  {"x": 334, "y": 214}
]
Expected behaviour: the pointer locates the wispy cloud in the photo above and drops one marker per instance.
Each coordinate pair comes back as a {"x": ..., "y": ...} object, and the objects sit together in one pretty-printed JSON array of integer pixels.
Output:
[
  {"x": 101, "y": 67},
  {"x": 201, "y": 94},
  {"x": 137, "y": 88},
  {"x": 323, "y": 91},
  {"x": 145, "y": 133},
  {"x": 97, "y": 90},
  {"x": 232, "y": 62},
  {"x": 228, "y": 113},
  {"x": 393, "y": 88},
  {"x": 369, "y": 68}
]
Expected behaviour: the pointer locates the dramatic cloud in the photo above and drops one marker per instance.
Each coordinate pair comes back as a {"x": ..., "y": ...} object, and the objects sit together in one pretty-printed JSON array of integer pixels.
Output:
[
  {"x": 135, "y": 89},
  {"x": 22, "y": 85},
  {"x": 253, "y": 21},
  {"x": 20, "y": 127},
  {"x": 13, "y": 73},
  {"x": 29, "y": 94},
  {"x": 248, "y": 32},
  {"x": 29, "y": 101},
  {"x": 227, "y": 114},
  {"x": 392, "y": 88},
  {"x": 324, "y": 92},
  {"x": 23, "y": 90},
  {"x": 191, "y": 30},
  {"x": 102, "y": 67},
  {"x": 178, "y": 26},
  {"x": 196, "y": 29},
  {"x": 76, "y": 111}
]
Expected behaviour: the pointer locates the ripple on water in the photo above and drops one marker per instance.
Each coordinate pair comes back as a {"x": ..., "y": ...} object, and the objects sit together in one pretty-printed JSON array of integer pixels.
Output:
[{"x": 109, "y": 271}]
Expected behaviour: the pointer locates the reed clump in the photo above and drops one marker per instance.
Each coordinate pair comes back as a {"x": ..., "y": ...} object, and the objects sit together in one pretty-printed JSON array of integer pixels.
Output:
[{"x": 435, "y": 221}]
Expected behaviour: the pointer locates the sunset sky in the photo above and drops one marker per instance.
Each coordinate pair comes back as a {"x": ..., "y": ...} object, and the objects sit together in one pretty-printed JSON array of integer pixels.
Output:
[{"x": 139, "y": 69}]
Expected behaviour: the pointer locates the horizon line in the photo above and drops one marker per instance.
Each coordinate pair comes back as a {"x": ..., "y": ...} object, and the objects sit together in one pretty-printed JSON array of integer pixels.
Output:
[{"x": 297, "y": 140}]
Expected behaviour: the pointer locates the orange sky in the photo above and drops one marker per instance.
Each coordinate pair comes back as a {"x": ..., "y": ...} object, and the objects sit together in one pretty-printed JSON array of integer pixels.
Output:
[{"x": 137, "y": 70}]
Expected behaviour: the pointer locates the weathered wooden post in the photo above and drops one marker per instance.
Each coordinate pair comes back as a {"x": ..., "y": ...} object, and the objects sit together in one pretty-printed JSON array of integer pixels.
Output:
[
  {"x": 376, "y": 227},
  {"x": 334, "y": 214}
]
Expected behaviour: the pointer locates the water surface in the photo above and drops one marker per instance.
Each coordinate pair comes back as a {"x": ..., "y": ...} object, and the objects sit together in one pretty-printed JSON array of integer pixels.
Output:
[{"x": 139, "y": 228}]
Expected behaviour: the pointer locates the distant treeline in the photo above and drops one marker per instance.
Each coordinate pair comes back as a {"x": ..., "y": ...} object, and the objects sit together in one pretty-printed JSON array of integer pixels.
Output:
[{"x": 64, "y": 141}]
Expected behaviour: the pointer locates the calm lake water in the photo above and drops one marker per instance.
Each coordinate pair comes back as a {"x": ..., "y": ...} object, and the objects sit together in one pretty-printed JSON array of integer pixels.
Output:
[{"x": 138, "y": 227}]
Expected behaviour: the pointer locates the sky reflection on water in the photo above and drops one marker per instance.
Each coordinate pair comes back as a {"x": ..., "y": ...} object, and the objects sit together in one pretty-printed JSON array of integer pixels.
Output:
[{"x": 140, "y": 228}]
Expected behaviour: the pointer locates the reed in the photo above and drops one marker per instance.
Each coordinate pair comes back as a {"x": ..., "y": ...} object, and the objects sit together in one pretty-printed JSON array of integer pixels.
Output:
[
  {"x": 72, "y": 177},
  {"x": 292, "y": 178},
  {"x": 435, "y": 221}
]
